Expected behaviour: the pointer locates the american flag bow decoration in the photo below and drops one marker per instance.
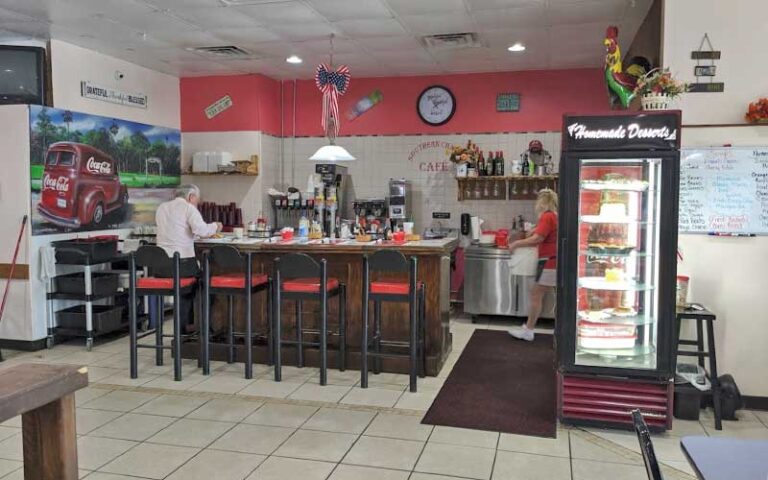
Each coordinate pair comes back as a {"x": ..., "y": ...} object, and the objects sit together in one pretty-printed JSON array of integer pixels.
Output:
[{"x": 333, "y": 83}]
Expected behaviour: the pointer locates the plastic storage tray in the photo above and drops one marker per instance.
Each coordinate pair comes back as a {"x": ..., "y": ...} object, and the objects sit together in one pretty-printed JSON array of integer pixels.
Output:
[
  {"x": 84, "y": 251},
  {"x": 101, "y": 283},
  {"x": 105, "y": 318}
]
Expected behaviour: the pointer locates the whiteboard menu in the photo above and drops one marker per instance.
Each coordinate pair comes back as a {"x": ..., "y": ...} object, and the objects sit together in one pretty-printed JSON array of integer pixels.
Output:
[{"x": 724, "y": 190}]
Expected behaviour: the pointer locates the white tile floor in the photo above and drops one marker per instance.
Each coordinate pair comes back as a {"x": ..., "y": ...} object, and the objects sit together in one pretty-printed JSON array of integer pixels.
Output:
[{"x": 229, "y": 428}]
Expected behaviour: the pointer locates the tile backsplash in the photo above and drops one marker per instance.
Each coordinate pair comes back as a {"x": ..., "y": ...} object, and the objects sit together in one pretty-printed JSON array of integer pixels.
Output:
[{"x": 422, "y": 160}]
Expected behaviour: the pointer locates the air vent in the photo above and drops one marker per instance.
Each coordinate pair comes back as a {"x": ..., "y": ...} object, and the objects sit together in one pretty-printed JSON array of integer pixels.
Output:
[
  {"x": 222, "y": 51},
  {"x": 451, "y": 41}
]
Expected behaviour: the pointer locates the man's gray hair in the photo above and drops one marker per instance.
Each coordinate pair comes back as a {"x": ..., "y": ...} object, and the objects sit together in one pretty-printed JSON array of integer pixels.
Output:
[{"x": 184, "y": 191}]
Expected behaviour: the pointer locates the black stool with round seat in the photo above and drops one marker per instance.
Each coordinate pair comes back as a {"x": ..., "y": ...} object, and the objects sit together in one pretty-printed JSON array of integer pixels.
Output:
[
  {"x": 234, "y": 274},
  {"x": 384, "y": 264},
  {"x": 158, "y": 284},
  {"x": 299, "y": 278}
]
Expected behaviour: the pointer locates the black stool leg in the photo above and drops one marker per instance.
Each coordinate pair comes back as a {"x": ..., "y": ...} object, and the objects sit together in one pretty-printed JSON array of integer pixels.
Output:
[
  {"x": 364, "y": 339},
  {"x": 700, "y": 340},
  {"x": 342, "y": 327},
  {"x": 299, "y": 335},
  {"x": 205, "y": 329},
  {"x": 324, "y": 337},
  {"x": 159, "y": 300},
  {"x": 133, "y": 319},
  {"x": 377, "y": 336},
  {"x": 231, "y": 329},
  {"x": 414, "y": 332},
  {"x": 713, "y": 376},
  {"x": 248, "y": 325},
  {"x": 276, "y": 327},
  {"x": 269, "y": 326},
  {"x": 422, "y": 333},
  {"x": 176, "y": 322}
]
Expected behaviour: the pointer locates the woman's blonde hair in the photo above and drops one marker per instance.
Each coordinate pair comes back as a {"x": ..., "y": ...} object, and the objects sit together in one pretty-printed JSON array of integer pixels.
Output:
[{"x": 546, "y": 201}]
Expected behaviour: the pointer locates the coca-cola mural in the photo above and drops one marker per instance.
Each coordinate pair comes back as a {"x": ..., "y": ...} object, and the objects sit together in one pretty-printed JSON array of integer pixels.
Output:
[{"x": 95, "y": 173}]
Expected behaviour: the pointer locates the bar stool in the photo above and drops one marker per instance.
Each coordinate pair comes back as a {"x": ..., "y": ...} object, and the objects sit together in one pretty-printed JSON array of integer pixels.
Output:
[
  {"x": 298, "y": 277},
  {"x": 383, "y": 263},
  {"x": 155, "y": 259},
  {"x": 231, "y": 284}
]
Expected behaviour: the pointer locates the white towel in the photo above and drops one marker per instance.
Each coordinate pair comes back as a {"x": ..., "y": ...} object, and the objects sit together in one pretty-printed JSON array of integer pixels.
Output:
[
  {"x": 524, "y": 261},
  {"x": 131, "y": 245},
  {"x": 47, "y": 263}
]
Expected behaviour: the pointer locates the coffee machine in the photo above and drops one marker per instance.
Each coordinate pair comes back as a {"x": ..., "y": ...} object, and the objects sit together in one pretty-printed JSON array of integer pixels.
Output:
[
  {"x": 371, "y": 215},
  {"x": 399, "y": 200},
  {"x": 332, "y": 197}
]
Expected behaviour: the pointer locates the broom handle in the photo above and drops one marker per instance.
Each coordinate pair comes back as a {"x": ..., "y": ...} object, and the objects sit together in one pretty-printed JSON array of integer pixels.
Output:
[{"x": 13, "y": 265}]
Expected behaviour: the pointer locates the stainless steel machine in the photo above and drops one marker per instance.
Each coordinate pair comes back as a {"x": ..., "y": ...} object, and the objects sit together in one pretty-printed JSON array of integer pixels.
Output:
[
  {"x": 495, "y": 288},
  {"x": 333, "y": 201},
  {"x": 399, "y": 208},
  {"x": 370, "y": 215}
]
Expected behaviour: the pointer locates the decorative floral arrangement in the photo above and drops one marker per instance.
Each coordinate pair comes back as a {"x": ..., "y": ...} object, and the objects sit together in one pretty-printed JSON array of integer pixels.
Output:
[
  {"x": 465, "y": 154},
  {"x": 758, "y": 111},
  {"x": 660, "y": 82}
]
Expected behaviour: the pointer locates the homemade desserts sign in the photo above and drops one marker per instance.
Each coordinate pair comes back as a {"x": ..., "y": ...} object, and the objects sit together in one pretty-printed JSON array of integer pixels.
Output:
[{"x": 95, "y": 173}]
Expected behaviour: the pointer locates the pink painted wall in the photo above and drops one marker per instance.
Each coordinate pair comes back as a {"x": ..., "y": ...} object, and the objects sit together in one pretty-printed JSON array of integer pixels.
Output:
[
  {"x": 545, "y": 96},
  {"x": 255, "y": 103}
]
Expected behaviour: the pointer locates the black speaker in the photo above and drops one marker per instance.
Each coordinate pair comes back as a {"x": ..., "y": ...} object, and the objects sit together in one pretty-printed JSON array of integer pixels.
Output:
[{"x": 465, "y": 222}]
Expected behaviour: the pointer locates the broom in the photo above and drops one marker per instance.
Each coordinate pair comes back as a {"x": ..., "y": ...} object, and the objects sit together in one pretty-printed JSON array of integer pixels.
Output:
[{"x": 10, "y": 273}]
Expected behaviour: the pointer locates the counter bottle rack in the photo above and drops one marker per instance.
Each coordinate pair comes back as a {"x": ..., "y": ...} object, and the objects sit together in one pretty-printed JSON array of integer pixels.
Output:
[{"x": 511, "y": 187}]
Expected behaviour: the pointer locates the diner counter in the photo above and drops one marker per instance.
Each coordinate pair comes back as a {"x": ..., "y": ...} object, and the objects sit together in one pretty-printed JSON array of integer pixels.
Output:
[{"x": 345, "y": 263}]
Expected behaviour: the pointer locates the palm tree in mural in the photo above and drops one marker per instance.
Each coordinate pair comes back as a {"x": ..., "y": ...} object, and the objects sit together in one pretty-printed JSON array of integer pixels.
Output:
[{"x": 67, "y": 118}]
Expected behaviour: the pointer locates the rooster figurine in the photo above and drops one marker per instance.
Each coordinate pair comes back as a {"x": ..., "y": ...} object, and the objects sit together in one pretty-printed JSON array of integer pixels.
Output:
[{"x": 621, "y": 87}]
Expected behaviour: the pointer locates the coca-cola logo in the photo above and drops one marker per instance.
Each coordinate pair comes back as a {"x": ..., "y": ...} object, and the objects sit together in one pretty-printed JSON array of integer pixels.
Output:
[
  {"x": 98, "y": 167},
  {"x": 60, "y": 184}
]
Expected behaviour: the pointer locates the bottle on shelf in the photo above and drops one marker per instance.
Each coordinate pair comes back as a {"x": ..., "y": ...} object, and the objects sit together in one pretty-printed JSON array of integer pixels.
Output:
[
  {"x": 481, "y": 165},
  {"x": 489, "y": 164},
  {"x": 524, "y": 164},
  {"x": 531, "y": 167},
  {"x": 500, "y": 163}
]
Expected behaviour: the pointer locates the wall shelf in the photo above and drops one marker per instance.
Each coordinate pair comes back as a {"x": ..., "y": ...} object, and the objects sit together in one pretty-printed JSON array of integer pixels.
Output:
[
  {"x": 220, "y": 174},
  {"x": 512, "y": 187}
]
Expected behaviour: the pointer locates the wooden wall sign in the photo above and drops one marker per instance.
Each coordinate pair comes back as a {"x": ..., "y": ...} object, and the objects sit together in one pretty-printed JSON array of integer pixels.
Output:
[{"x": 707, "y": 71}]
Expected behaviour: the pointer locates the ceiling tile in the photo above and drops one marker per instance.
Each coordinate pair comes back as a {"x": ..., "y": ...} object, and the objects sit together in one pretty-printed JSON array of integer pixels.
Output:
[
  {"x": 370, "y": 28},
  {"x": 438, "y": 23},
  {"x": 340, "y": 46},
  {"x": 475, "y": 5},
  {"x": 345, "y": 10},
  {"x": 585, "y": 12},
  {"x": 280, "y": 13},
  {"x": 182, "y": 4},
  {"x": 418, "y": 7},
  {"x": 215, "y": 18},
  {"x": 510, "y": 18},
  {"x": 405, "y": 57},
  {"x": 301, "y": 32},
  {"x": 244, "y": 36},
  {"x": 384, "y": 44}
]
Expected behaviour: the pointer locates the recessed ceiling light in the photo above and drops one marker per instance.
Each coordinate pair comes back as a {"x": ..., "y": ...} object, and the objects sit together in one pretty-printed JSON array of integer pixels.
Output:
[
  {"x": 295, "y": 59},
  {"x": 518, "y": 47}
]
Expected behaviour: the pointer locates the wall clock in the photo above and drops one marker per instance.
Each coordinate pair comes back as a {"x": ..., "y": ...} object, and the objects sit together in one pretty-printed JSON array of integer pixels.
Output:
[{"x": 436, "y": 105}]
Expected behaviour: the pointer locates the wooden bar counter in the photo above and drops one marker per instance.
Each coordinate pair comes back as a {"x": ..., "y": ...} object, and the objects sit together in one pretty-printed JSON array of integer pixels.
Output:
[{"x": 345, "y": 262}]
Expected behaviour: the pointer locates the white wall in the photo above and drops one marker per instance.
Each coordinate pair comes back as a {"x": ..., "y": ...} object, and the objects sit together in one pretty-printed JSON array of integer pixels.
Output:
[
  {"x": 71, "y": 64},
  {"x": 14, "y": 204},
  {"x": 739, "y": 29},
  {"x": 246, "y": 191},
  {"x": 728, "y": 275}
]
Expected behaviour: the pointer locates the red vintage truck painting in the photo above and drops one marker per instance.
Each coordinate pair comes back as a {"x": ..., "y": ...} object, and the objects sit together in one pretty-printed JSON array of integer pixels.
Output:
[{"x": 80, "y": 186}]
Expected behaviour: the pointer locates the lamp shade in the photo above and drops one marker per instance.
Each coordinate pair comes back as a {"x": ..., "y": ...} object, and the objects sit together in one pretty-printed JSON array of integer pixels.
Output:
[{"x": 332, "y": 153}]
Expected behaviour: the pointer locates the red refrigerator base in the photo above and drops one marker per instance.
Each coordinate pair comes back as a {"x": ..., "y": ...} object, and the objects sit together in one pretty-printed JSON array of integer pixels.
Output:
[{"x": 607, "y": 402}]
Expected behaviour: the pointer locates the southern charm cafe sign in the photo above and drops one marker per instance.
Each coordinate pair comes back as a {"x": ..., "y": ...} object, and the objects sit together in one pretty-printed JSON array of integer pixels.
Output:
[{"x": 111, "y": 95}]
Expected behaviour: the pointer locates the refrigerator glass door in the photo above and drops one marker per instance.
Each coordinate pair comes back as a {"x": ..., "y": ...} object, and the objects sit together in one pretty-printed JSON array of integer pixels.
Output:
[{"x": 617, "y": 304}]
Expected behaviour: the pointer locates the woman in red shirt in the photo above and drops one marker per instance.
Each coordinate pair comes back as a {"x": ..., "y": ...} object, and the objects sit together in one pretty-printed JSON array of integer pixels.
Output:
[{"x": 544, "y": 236}]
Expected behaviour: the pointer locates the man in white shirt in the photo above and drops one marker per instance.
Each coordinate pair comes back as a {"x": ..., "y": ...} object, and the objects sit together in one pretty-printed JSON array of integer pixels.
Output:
[{"x": 179, "y": 223}]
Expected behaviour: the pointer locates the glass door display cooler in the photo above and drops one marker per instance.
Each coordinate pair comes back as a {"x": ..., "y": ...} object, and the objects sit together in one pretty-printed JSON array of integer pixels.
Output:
[{"x": 617, "y": 266}]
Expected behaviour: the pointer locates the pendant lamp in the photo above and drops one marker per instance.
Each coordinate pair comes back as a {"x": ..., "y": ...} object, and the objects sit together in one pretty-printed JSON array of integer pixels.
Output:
[{"x": 332, "y": 83}]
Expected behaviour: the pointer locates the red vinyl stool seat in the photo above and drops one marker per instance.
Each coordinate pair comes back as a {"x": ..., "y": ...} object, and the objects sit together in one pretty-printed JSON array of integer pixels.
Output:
[
  {"x": 236, "y": 280},
  {"x": 308, "y": 285},
  {"x": 392, "y": 288},
  {"x": 156, "y": 283}
]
